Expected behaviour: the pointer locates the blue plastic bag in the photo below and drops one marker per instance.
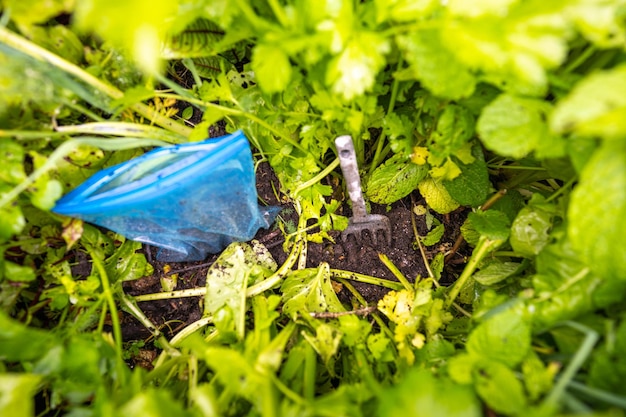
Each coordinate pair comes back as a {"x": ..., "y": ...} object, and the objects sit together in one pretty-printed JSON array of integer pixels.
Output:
[{"x": 189, "y": 200}]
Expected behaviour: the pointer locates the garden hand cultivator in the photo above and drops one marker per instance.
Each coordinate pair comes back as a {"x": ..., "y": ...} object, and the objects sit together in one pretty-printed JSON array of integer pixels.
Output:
[{"x": 360, "y": 221}]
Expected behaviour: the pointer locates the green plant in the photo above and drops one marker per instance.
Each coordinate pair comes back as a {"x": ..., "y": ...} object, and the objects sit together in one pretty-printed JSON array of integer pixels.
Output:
[{"x": 463, "y": 101}]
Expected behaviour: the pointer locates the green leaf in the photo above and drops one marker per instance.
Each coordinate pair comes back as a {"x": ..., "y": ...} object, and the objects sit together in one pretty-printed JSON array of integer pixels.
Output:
[
  {"x": 227, "y": 279},
  {"x": 433, "y": 64},
  {"x": 325, "y": 342},
  {"x": 18, "y": 273},
  {"x": 596, "y": 212},
  {"x": 153, "y": 402},
  {"x": 420, "y": 393},
  {"x": 565, "y": 288},
  {"x": 17, "y": 392},
  {"x": 271, "y": 67},
  {"x": 33, "y": 12},
  {"x": 393, "y": 180},
  {"x": 198, "y": 39},
  {"x": 492, "y": 224},
  {"x": 455, "y": 127},
  {"x": 511, "y": 43},
  {"x": 353, "y": 71},
  {"x": 496, "y": 272},
  {"x": 12, "y": 157},
  {"x": 608, "y": 364},
  {"x": 499, "y": 387},
  {"x": 514, "y": 126},
  {"x": 472, "y": 186},
  {"x": 16, "y": 341},
  {"x": 310, "y": 290},
  {"x": 12, "y": 220},
  {"x": 595, "y": 106},
  {"x": 538, "y": 378},
  {"x": 128, "y": 24},
  {"x": 530, "y": 230},
  {"x": 437, "y": 197},
  {"x": 504, "y": 337},
  {"x": 126, "y": 264},
  {"x": 434, "y": 235}
]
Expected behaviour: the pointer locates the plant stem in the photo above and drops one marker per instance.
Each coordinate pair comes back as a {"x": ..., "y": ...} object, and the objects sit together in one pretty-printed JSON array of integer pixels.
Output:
[
  {"x": 354, "y": 276},
  {"x": 481, "y": 250},
  {"x": 395, "y": 271},
  {"x": 324, "y": 173},
  {"x": 121, "y": 129},
  {"x": 376, "y": 160},
  {"x": 591, "y": 337}
]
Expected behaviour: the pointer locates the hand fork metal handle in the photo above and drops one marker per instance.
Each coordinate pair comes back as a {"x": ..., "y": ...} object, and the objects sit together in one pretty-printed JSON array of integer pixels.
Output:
[{"x": 350, "y": 169}]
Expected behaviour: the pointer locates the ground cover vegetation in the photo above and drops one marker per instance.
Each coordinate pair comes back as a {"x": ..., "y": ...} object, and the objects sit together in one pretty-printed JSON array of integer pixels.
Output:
[{"x": 509, "y": 112}]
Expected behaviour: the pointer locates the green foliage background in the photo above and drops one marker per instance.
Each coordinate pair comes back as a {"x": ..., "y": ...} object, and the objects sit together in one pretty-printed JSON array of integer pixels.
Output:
[{"x": 461, "y": 100}]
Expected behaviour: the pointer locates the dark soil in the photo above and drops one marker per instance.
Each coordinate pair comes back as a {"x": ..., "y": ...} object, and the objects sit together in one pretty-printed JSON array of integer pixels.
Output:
[{"x": 362, "y": 257}]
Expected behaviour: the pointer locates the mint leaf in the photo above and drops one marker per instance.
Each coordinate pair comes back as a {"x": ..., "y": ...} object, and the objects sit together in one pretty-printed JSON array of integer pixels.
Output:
[
  {"x": 595, "y": 107},
  {"x": 393, "y": 180},
  {"x": 432, "y": 63},
  {"x": 437, "y": 197},
  {"x": 455, "y": 127},
  {"x": 514, "y": 126},
  {"x": 499, "y": 387},
  {"x": 271, "y": 67},
  {"x": 530, "y": 230},
  {"x": 596, "y": 212},
  {"x": 492, "y": 224},
  {"x": 496, "y": 272},
  {"x": 472, "y": 186},
  {"x": 504, "y": 337}
]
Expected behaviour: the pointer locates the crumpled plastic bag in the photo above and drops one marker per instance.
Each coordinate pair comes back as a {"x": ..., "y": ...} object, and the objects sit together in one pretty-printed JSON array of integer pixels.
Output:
[{"x": 189, "y": 200}]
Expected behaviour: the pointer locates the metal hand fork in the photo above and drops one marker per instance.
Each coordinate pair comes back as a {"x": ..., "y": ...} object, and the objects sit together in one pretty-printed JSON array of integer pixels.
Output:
[{"x": 360, "y": 220}]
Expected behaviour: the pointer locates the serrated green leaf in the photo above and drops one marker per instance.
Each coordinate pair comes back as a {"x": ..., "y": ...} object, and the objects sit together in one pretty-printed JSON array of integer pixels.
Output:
[
  {"x": 393, "y": 180},
  {"x": 271, "y": 67},
  {"x": 310, "y": 290},
  {"x": 595, "y": 107},
  {"x": 472, "y": 186},
  {"x": 514, "y": 126},
  {"x": 499, "y": 387},
  {"x": 455, "y": 127},
  {"x": 492, "y": 224},
  {"x": 530, "y": 230},
  {"x": 433, "y": 64},
  {"x": 437, "y": 197},
  {"x": 504, "y": 337},
  {"x": 596, "y": 212},
  {"x": 496, "y": 272}
]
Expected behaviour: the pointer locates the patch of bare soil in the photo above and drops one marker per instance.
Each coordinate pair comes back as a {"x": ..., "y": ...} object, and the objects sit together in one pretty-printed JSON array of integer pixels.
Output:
[{"x": 352, "y": 255}]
